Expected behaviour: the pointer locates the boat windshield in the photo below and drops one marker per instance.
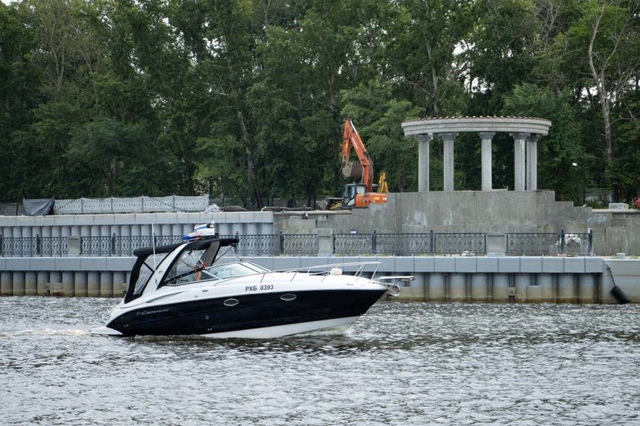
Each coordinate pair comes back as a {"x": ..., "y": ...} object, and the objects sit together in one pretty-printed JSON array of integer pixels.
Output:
[
  {"x": 236, "y": 269},
  {"x": 188, "y": 268},
  {"x": 228, "y": 264},
  {"x": 192, "y": 267}
]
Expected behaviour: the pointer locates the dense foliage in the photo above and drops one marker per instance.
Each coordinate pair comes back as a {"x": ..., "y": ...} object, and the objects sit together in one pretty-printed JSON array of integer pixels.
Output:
[{"x": 245, "y": 99}]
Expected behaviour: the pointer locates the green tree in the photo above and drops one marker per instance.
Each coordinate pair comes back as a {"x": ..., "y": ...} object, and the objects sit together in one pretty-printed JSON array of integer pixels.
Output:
[
  {"x": 378, "y": 117},
  {"x": 219, "y": 38},
  {"x": 66, "y": 53},
  {"x": 500, "y": 51},
  {"x": 19, "y": 94},
  {"x": 111, "y": 158},
  {"x": 595, "y": 58},
  {"x": 627, "y": 133},
  {"x": 423, "y": 42},
  {"x": 295, "y": 101},
  {"x": 562, "y": 162}
]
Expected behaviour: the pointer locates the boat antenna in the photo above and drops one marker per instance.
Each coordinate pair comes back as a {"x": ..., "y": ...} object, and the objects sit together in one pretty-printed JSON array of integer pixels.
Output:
[{"x": 153, "y": 247}]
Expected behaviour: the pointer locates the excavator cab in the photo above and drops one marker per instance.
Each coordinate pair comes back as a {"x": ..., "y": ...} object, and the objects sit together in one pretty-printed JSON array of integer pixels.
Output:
[
  {"x": 350, "y": 192},
  {"x": 356, "y": 195}
]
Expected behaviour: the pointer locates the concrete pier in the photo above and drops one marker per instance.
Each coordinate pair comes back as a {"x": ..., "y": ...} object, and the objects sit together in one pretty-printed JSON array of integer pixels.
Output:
[{"x": 583, "y": 280}]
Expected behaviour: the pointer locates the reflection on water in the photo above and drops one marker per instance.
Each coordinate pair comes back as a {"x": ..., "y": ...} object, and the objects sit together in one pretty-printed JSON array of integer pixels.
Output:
[{"x": 402, "y": 363}]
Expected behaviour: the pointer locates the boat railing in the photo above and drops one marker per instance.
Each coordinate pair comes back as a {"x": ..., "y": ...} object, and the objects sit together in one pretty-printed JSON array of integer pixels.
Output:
[
  {"x": 358, "y": 269},
  {"x": 335, "y": 269}
]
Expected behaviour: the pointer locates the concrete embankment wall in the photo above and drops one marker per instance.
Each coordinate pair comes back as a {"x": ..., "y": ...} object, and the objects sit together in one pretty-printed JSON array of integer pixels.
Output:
[
  {"x": 499, "y": 212},
  {"x": 582, "y": 280}
]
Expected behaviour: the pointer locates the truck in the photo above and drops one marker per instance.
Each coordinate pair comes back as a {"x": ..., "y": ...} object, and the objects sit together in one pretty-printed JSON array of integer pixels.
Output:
[{"x": 358, "y": 194}]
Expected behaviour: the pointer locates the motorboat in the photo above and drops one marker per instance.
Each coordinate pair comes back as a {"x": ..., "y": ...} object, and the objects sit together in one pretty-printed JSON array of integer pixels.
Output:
[{"x": 201, "y": 287}]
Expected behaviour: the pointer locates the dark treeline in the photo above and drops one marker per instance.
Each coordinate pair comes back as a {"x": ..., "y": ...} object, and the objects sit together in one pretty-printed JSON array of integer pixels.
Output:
[{"x": 246, "y": 99}]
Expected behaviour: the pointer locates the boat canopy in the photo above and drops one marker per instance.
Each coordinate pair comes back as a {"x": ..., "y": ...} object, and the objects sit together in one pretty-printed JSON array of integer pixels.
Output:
[{"x": 143, "y": 270}]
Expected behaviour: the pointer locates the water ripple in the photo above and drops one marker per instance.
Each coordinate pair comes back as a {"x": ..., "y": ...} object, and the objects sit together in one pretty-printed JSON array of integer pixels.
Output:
[{"x": 403, "y": 363}]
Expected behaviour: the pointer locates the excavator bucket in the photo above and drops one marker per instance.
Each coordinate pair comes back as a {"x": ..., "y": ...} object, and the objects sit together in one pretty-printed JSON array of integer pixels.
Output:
[{"x": 352, "y": 170}]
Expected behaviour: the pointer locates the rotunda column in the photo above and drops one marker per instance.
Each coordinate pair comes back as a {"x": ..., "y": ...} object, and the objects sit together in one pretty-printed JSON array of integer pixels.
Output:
[
  {"x": 486, "y": 137},
  {"x": 519, "y": 161},
  {"x": 448, "y": 171},
  {"x": 532, "y": 162},
  {"x": 424, "y": 142}
]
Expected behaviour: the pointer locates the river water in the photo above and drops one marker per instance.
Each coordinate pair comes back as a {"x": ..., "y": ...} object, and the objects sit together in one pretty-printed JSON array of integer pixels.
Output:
[{"x": 401, "y": 364}]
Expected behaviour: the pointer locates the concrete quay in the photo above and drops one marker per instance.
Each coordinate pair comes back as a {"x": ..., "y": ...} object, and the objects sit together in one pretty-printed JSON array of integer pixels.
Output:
[{"x": 583, "y": 280}]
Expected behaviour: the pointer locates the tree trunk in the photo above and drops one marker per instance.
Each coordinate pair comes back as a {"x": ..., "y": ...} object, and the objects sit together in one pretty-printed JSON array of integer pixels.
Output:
[
  {"x": 251, "y": 171},
  {"x": 599, "y": 80}
]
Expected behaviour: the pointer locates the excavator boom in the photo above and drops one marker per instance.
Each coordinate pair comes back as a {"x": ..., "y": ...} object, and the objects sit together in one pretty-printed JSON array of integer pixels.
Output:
[
  {"x": 351, "y": 140},
  {"x": 358, "y": 194}
]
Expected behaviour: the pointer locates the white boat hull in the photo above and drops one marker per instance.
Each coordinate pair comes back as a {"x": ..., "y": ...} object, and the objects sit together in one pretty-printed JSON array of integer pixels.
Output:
[{"x": 333, "y": 325}]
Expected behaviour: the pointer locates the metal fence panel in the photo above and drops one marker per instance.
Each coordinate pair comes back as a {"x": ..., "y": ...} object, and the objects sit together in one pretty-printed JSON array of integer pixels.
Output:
[
  {"x": 257, "y": 245},
  {"x": 532, "y": 244},
  {"x": 299, "y": 244},
  {"x": 470, "y": 243},
  {"x": 416, "y": 244},
  {"x": 352, "y": 244},
  {"x": 96, "y": 246},
  {"x": 404, "y": 244},
  {"x": 546, "y": 244},
  {"x": 17, "y": 246},
  {"x": 53, "y": 246}
]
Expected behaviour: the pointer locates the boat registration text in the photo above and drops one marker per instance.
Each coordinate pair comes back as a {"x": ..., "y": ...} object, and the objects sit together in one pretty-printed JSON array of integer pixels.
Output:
[{"x": 262, "y": 287}]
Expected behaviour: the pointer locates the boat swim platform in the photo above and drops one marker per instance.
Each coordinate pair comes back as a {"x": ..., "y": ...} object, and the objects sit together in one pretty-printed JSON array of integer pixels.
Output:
[{"x": 489, "y": 279}]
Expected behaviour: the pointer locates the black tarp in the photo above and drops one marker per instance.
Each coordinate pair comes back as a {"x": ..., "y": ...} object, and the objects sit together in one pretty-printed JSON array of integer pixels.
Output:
[{"x": 41, "y": 207}]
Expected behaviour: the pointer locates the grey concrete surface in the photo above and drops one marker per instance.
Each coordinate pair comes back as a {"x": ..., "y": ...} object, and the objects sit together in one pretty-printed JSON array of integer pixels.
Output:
[{"x": 615, "y": 231}]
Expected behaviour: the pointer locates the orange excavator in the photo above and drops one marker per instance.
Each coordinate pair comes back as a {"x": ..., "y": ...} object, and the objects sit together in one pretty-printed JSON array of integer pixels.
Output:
[{"x": 358, "y": 194}]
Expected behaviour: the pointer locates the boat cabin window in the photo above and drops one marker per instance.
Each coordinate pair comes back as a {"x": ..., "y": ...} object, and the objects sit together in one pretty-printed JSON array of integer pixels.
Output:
[
  {"x": 141, "y": 274},
  {"x": 146, "y": 271},
  {"x": 143, "y": 278}
]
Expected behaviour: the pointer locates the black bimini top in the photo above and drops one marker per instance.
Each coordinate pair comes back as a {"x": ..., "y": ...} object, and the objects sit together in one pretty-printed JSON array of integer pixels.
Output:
[
  {"x": 143, "y": 253},
  {"x": 193, "y": 245}
]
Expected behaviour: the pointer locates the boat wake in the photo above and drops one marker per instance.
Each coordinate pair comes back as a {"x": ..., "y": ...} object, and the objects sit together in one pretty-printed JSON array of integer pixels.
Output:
[{"x": 46, "y": 332}]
